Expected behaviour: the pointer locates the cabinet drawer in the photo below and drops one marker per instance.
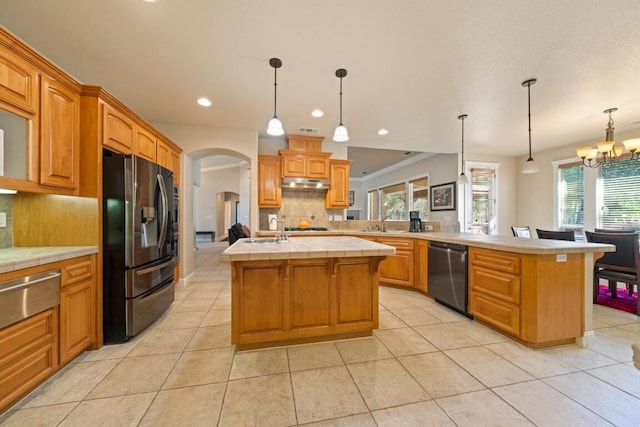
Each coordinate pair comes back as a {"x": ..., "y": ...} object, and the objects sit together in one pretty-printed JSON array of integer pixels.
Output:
[
  {"x": 495, "y": 260},
  {"x": 18, "y": 339},
  {"x": 503, "y": 316},
  {"x": 27, "y": 372},
  {"x": 402, "y": 244},
  {"x": 504, "y": 286},
  {"x": 78, "y": 270}
]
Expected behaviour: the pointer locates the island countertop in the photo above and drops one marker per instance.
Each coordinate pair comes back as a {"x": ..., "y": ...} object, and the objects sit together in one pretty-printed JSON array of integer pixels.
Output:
[
  {"x": 306, "y": 247},
  {"x": 500, "y": 243}
]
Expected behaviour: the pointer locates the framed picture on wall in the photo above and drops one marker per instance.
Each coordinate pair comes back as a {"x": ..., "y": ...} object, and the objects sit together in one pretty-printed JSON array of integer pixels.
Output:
[
  {"x": 351, "y": 197},
  {"x": 443, "y": 197}
]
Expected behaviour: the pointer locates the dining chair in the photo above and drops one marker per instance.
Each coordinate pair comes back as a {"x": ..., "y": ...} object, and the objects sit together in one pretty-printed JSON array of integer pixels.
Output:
[
  {"x": 556, "y": 235},
  {"x": 614, "y": 230},
  {"x": 521, "y": 232},
  {"x": 623, "y": 265}
]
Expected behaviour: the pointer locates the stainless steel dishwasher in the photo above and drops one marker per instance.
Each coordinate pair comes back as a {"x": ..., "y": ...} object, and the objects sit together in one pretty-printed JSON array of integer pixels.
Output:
[{"x": 447, "y": 275}]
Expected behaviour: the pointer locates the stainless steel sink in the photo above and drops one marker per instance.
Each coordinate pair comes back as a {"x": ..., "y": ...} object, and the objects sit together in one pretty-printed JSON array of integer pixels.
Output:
[{"x": 265, "y": 240}]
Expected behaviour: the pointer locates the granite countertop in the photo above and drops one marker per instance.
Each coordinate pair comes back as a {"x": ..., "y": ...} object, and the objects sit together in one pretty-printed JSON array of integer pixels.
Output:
[
  {"x": 501, "y": 243},
  {"x": 305, "y": 247},
  {"x": 17, "y": 258}
]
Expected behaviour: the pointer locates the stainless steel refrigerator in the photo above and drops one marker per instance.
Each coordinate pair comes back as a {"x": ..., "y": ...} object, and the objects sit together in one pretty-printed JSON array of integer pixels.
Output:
[{"x": 138, "y": 244}]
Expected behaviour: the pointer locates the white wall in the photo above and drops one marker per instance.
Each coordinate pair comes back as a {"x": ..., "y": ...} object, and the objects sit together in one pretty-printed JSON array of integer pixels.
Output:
[{"x": 212, "y": 183}]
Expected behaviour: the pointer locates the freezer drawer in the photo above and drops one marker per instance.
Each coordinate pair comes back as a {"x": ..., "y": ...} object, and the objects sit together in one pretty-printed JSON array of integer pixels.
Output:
[
  {"x": 142, "y": 279},
  {"x": 145, "y": 309}
]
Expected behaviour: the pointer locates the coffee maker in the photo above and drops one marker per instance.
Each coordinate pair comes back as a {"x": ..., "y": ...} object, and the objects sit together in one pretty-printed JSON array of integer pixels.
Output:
[{"x": 415, "y": 224}]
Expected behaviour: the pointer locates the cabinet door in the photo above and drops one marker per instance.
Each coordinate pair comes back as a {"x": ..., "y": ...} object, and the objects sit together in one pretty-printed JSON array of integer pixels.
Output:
[
  {"x": 77, "y": 302},
  {"x": 398, "y": 269},
  {"x": 162, "y": 155},
  {"x": 118, "y": 130},
  {"x": 174, "y": 161},
  {"x": 18, "y": 82},
  {"x": 338, "y": 193},
  {"x": 59, "y": 135},
  {"x": 269, "y": 182},
  {"x": 317, "y": 167},
  {"x": 421, "y": 254},
  {"x": 293, "y": 166},
  {"x": 145, "y": 145},
  {"x": 76, "y": 320}
]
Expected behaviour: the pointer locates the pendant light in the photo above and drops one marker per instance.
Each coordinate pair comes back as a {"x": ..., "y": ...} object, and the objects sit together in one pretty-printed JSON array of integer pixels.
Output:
[
  {"x": 341, "y": 134},
  {"x": 530, "y": 166},
  {"x": 462, "y": 179},
  {"x": 275, "y": 125}
]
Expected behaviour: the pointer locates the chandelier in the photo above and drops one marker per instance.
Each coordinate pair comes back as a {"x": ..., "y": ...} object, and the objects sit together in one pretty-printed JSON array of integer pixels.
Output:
[{"x": 607, "y": 151}]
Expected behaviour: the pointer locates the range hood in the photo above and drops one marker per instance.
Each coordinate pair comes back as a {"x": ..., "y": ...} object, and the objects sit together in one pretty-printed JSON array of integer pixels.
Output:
[{"x": 307, "y": 184}]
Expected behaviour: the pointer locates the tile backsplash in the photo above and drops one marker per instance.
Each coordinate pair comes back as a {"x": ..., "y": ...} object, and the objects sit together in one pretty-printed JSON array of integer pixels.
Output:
[
  {"x": 301, "y": 205},
  {"x": 6, "y": 233}
]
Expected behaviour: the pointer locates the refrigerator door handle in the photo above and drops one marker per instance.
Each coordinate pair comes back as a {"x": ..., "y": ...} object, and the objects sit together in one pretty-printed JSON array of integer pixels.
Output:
[
  {"x": 154, "y": 268},
  {"x": 165, "y": 212}
]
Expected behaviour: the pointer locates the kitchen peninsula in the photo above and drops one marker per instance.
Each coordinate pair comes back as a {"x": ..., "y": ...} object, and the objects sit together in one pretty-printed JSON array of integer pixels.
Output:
[
  {"x": 538, "y": 292},
  {"x": 304, "y": 290}
]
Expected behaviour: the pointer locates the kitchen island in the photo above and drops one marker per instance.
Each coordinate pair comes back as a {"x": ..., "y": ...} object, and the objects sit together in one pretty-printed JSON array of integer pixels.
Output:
[{"x": 304, "y": 290}]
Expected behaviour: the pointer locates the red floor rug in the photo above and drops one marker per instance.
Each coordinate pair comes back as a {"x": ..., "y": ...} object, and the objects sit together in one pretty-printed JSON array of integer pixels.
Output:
[{"x": 623, "y": 302}]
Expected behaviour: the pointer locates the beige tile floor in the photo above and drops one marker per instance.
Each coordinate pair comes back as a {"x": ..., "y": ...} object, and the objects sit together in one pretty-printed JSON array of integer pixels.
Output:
[{"x": 426, "y": 365}]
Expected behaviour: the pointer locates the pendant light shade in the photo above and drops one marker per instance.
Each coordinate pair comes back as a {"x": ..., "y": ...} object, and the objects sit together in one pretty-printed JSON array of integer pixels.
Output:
[
  {"x": 530, "y": 166},
  {"x": 462, "y": 179},
  {"x": 341, "y": 134},
  {"x": 275, "y": 125}
]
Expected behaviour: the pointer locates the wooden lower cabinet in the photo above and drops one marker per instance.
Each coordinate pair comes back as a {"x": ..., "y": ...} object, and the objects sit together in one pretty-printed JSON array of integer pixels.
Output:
[
  {"x": 77, "y": 307},
  {"x": 279, "y": 302},
  {"x": 28, "y": 355},
  {"x": 398, "y": 269},
  {"x": 536, "y": 299},
  {"x": 421, "y": 265}
]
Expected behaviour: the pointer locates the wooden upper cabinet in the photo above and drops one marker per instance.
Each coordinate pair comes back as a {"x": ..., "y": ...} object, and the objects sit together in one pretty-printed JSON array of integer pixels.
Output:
[
  {"x": 305, "y": 165},
  {"x": 18, "y": 82},
  {"x": 168, "y": 157},
  {"x": 145, "y": 145},
  {"x": 118, "y": 129},
  {"x": 269, "y": 182},
  {"x": 338, "y": 193},
  {"x": 59, "y": 135}
]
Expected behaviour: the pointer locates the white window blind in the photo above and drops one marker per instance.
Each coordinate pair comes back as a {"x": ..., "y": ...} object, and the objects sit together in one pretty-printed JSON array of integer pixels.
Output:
[
  {"x": 619, "y": 193},
  {"x": 571, "y": 196}
]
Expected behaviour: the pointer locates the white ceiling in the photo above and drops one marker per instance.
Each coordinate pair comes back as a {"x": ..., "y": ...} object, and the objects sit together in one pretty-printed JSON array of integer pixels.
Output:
[{"x": 413, "y": 66}]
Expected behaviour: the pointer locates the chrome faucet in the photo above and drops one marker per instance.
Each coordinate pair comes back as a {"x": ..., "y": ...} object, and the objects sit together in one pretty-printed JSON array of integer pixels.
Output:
[
  {"x": 282, "y": 237},
  {"x": 385, "y": 218}
]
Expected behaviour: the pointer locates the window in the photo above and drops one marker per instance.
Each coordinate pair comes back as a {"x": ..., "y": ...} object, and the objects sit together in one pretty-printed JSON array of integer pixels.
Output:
[
  {"x": 419, "y": 190},
  {"x": 393, "y": 200},
  {"x": 619, "y": 194},
  {"x": 571, "y": 196}
]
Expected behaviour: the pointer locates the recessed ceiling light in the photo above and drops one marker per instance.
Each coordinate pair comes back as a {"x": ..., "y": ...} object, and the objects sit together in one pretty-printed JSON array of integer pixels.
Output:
[
  {"x": 203, "y": 101},
  {"x": 150, "y": 1},
  {"x": 317, "y": 113},
  {"x": 383, "y": 132}
]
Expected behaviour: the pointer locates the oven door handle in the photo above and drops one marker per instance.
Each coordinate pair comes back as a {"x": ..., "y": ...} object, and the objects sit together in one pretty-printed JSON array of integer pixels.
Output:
[{"x": 154, "y": 268}]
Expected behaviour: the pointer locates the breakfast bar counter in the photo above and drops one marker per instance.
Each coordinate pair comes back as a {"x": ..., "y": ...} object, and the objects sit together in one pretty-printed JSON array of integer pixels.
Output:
[{"x": 303, "y": 290}]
